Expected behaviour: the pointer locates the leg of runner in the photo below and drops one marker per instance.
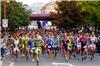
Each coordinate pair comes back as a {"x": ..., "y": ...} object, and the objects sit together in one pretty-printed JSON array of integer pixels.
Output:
[
  {"x": 78, "y": 53},
  {"x": 82, "y": 53},
  {"x": 43, "y": 50},
  {"x": 85, "y": 52},
  {"x": 65, "y": 51},
  {"x": 74, "y": 51},
  {"x": 93, "y": 50},
  {"x": 27, "y": 54},
  {"x": 37, "y": 58},
  {"x": 55, "y": 53},
  {"x": 49, "y": 53},
  {"x": 38, "y": 51},
  {"x": 49, "y": 50},
  {"x": 2, "y": 52},
  {"x": 15, "y": 54},
  {"x": 65, "y": 55}
]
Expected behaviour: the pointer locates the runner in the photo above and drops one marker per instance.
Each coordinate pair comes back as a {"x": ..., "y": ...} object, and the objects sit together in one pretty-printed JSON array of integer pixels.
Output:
[
  {"x": 65, "y": 46},
  {"x": 44, "y": 38},
  {"x": 16, "y": 49},
  {"x": 83, "y": 46},
  {"x": 26, "y": 47},
  {"x": 39, "y": 43},
  {"x": 92, "y": 45},
  {"x": 78, "y": 51},
  {"x": 70, "y": 45},
  {"x": 36, "y": 41},
  {"x": 55, "y": 46},
  {"x": 49, "y": 45}
]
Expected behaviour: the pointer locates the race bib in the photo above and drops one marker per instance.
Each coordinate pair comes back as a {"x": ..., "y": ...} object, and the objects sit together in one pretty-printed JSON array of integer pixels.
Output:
[
  {"x": 49, "y": 46},
  {"x": 78, "y": 45},
  {"x": 84, "y": 47}
]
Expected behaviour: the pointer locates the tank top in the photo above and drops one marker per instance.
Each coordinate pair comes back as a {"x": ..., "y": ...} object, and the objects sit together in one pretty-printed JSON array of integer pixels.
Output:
[{"x": 16, "y": 43}]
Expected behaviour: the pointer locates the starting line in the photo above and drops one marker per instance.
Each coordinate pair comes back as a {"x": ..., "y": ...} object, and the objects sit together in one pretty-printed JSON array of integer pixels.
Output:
[{"x": 56, "y": 63}]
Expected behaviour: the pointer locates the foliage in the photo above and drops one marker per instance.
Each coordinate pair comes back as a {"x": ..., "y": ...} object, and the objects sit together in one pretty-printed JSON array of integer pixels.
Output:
[
  {"x": 91, "y": 12},
  {"x": 77, "y": 13},
  {"x": 68, "y": 14},
  {"x": 16, "y": 13}
]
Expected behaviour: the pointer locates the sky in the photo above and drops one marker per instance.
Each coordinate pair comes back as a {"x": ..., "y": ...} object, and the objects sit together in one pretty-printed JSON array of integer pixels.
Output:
[{"x": 29, "y": 2}]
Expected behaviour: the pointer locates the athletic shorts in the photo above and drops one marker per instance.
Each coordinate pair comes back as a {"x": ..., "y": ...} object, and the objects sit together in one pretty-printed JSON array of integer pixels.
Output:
[
  {"x": 32, "y": 49},
  {"x": 49, "y": 47},
  {"x": 75, "y": 45},
  {"x": 65, "y": 47},
  {"x": 78, "y": 46},
  {"x": 92, "y": 45},
  {"x": 38, "y": 50},
  {"x": 69, "y": 48},
  {"x": 55, "y": 47},
  {"x": 16, "y": 49}
]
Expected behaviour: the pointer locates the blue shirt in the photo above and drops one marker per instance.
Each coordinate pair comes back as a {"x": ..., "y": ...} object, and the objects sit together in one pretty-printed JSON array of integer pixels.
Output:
[
  {"x": 49, "y": 41},
  {"x": 55, "y": 40},
  {"x": 44, "y": 38},
  {"x": 30, "y": 42}
]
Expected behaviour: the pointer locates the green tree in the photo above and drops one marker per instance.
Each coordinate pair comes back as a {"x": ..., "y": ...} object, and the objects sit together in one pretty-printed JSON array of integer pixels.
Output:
[
  {"x": 17, "y": 14},
  {"x": 68, "y": 14},
  {"x": 91, "y": 12}
]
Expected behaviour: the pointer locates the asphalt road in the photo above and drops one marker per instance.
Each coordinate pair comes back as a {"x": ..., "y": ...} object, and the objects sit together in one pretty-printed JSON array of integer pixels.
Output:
[{"x": 45, "y": 61}]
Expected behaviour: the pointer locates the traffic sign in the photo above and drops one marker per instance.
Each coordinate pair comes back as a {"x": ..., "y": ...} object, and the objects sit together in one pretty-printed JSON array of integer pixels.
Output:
[{"x": 4, "y": 22}]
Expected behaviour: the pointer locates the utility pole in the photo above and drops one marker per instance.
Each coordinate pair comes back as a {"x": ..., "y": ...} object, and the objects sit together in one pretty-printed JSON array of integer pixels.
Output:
[{"x": 5, "y": 14}]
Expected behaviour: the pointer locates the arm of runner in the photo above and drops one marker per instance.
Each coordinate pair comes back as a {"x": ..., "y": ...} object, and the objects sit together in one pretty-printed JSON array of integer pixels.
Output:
[{"x": 42, "y": 42}]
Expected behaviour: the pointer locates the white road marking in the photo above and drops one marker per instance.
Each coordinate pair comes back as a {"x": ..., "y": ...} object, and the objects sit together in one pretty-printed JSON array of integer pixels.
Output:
[
  {"x": 33, "y": 60},
  {"x": 11, "y": 63},
  {"x": 1, "y": 63},
  {"x": 8, "y": 62},
  {"x": 69, "y": 64}
]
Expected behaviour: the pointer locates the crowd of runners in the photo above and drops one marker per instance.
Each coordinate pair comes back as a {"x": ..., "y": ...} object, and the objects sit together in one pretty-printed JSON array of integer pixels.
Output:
[{"x": 33, "y": 43}]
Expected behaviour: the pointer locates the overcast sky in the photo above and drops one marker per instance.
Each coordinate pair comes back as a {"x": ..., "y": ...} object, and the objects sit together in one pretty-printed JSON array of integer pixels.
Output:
[{"x": 29, "y": 2}]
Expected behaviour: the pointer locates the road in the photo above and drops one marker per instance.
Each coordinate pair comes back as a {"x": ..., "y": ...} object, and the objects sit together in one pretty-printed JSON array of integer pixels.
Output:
[{"x": 45, "y": 61}]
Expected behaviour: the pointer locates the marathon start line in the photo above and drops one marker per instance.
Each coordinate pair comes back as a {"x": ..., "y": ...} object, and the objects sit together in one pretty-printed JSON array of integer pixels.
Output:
[{"x": 57, "y": 63}]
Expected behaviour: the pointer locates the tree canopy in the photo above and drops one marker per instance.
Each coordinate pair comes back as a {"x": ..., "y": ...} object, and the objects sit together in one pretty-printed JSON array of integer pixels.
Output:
[
  {"x": 16, "y": 13},
  {"x": 77, "y": 13},
  {"x": 68, "y": 14},
  {"x": 91, "y": 12}
]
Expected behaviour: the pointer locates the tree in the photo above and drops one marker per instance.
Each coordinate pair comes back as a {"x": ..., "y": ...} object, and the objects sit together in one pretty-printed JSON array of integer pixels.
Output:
[
  {"x": 17, "y": 14},
  {"x": 91, "y": 12},
  {"x": 68, "y": 14},
  {"x": 73, "y": 13}
]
